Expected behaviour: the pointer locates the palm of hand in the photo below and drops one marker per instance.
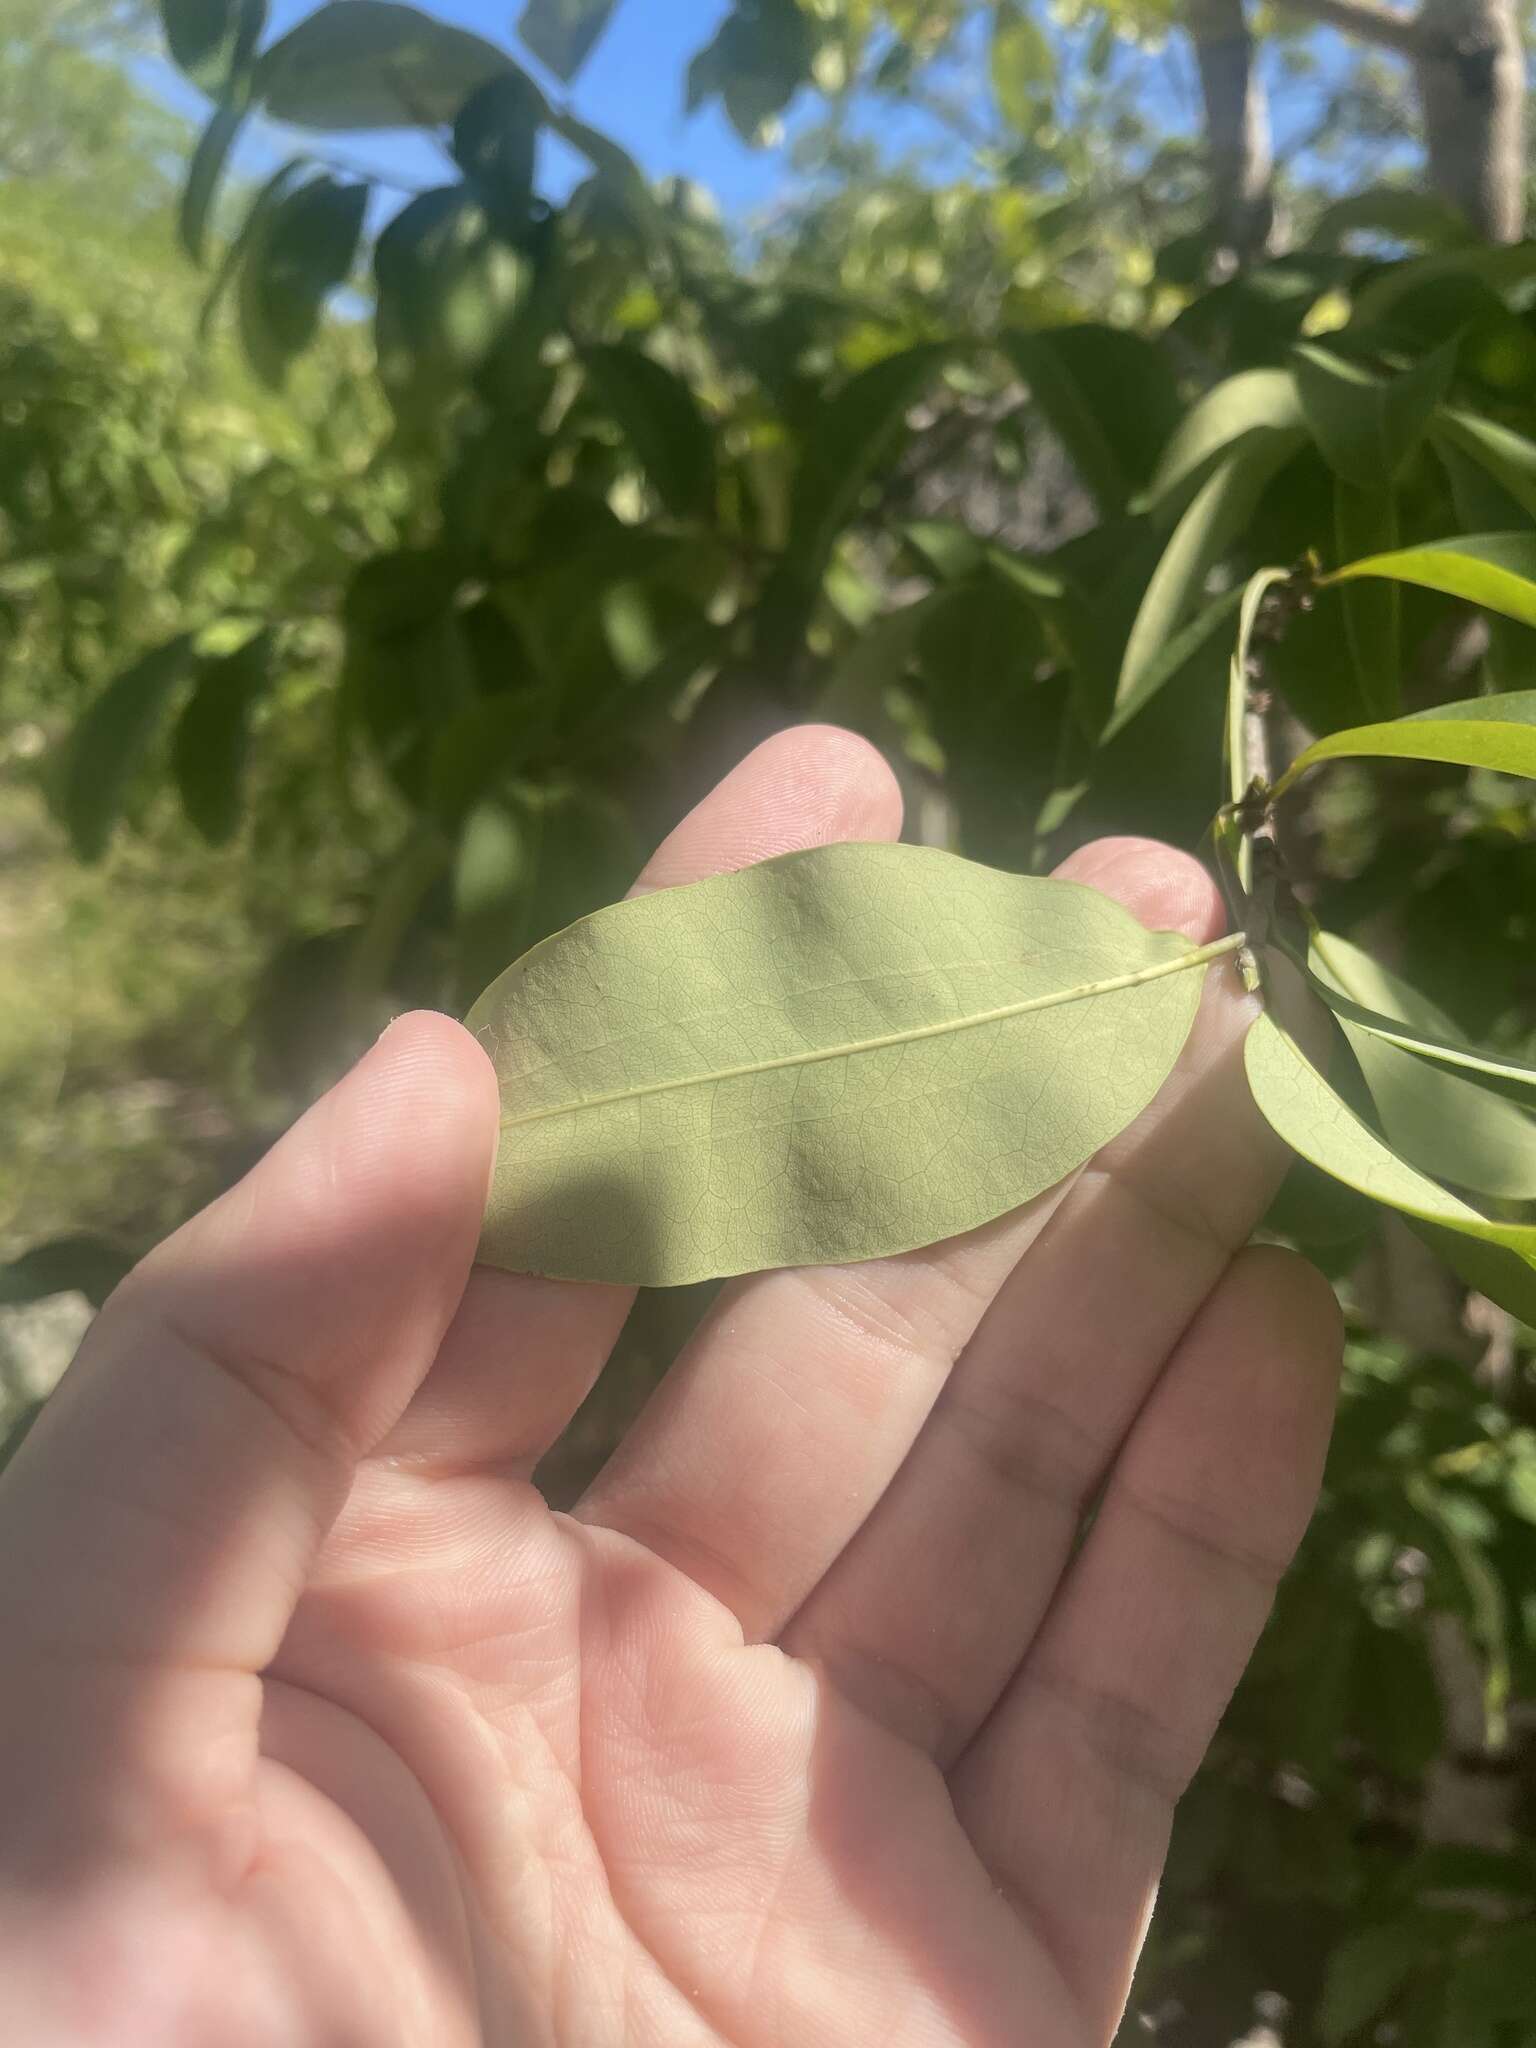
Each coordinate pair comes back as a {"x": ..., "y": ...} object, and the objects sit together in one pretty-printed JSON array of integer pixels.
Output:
[{"x": 813, "y": 1723}]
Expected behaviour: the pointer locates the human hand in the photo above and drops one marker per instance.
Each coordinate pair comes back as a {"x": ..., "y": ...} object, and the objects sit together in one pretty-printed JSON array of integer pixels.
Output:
[{"x": 813, "y": 1724}]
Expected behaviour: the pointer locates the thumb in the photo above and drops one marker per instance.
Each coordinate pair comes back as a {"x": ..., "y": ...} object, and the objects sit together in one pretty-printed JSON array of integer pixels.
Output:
[{"x": 167, "y": 1506}]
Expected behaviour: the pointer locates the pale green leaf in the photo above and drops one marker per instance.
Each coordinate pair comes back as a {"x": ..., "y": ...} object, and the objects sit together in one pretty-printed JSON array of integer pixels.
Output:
[
  {"x": 1369, "y": 427},
  {"x": 1482, "y": 732},
  {"x": 838, "y": 1054},
  {"x": 1315, "y": 1121},
  {"x": 1253, "y": 402}
]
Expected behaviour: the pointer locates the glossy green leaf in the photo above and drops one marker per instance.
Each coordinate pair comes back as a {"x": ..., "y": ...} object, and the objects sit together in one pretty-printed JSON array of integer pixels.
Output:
[
  {"x": 838, "y": 1054},
  {"x": 301, "y": 250},
  {"x": 1110, "y": 397},
  {"x": 212, "y": 41},
  {"x": 1315, "y": 1121},
  {"x": 662, "y": 423},
  {"x": 1507, "y": 457},
  {"x": 112, "y": 738},
  {"x": 208, "y": 746},
  {"x": 204, "y": 174},
  {"x": 1440, "y": 1120},
  {"x": 1216, "y": 516},
  {"x": 1364, "y": 523},
  {"x": 1173, "y": 658},
  {"x": 1369, "y": 427},
  {"x": 373, "y": 64},
  {"x": 1484, "y": 732},
  {"x": 1260, "y": 402},
  {"x": 561, "y": 33},
  {"x": 1495, "y": 570}
]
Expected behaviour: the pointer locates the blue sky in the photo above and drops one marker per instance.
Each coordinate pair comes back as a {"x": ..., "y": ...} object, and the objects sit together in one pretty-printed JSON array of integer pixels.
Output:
[{"x": 631, "y": 87}]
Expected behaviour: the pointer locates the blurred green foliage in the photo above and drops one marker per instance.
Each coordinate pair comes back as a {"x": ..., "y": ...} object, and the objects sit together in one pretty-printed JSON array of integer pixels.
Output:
[{"x": 377, "y": 637}]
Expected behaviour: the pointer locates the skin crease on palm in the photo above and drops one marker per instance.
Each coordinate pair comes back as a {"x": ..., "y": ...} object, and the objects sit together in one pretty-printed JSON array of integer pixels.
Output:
[{"x": 814, "y": 1723}]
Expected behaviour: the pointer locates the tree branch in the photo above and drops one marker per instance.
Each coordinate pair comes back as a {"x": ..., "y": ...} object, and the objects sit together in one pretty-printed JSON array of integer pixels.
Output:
[
  {"x": 1366, "y": 21},
  {"x": 1236, "y": 127}
]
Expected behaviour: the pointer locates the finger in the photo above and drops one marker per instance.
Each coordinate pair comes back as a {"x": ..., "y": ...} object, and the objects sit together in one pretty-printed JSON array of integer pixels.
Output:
[
  {"x": 925, "y": 1616},
  {"x": 772, "y": 1439},
  {"x": 167, "y": 1505},
  {"x": 523, "y": 1352},
  {"x": 1068, "y": 1792}
]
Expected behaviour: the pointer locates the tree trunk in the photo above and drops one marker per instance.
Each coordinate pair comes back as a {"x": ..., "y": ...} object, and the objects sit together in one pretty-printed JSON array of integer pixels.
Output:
[
  {"x": 1471, "y": 77},
  {"x": 1236, "y": 129}
]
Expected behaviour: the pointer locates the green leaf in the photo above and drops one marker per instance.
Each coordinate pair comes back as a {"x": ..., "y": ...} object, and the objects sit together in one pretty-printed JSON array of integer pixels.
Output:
[
  {"x": 1509, "y": 458},
  {"x": 212, "y": 41},
  {"x": 760, "y": 57},
  {"x": 1400, "y": 212},
  {"x": 662, "y": 423},
  {"x": 1368, "y": 427},
  {"x": 495, "y": 143},
  {"x": 1023, "y": 67},
  {"x": 561, "y": 33},
  {"x": 448, "y": 289},
  {"x": 1504, "y": 1276},
  {"x": 838, "y": 1054},
  {"x": 849, "y": 435},
  {"x": 1447, "y": 1125},
  {"x": 1254, "y": 402},
  {"x": 1484, "y": 732},
  {"x": 1380, "y": 1002},
  {"x": 209, "y": 744},
  {"x": 112, "y": 739},
  {"x": 268, "y": 197},
  {"x": 1364, "y": 1973},
  {"x": 1316, "y": 1122},
  {"x": 1174, "y": 658},
  {"x": 1495, "y": 570},
  {"x": 91, "y": 1266},
  {"x": 302, "y": 249},
  {"x": 1364, "y": 523},
  {"x": 373, "y": 64},
  {"x": 203, "y": 175},
  {"x": 1109, "y": 396},
  {"x": 1216, "y": 516}
]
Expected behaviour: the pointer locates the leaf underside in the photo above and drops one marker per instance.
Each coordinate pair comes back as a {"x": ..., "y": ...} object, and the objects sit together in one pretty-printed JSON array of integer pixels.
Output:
[{"x": 837, "y": 1055}]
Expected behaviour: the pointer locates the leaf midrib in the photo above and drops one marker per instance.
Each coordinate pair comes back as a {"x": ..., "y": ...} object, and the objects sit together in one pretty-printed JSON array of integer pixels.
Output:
[{"x": 1198, "y": 957}]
